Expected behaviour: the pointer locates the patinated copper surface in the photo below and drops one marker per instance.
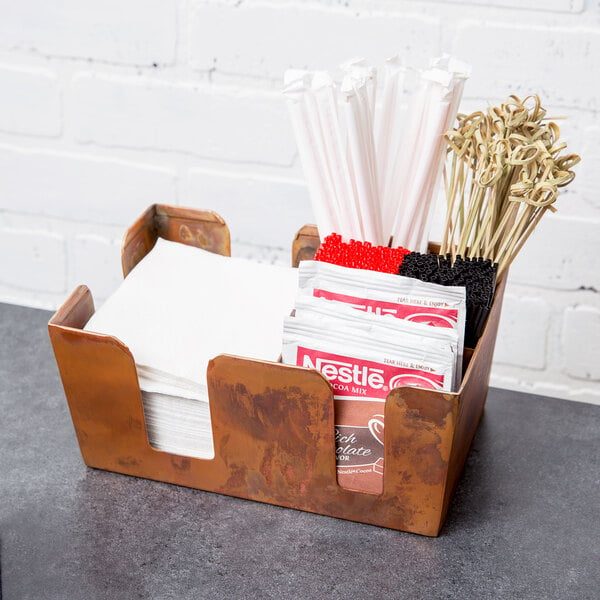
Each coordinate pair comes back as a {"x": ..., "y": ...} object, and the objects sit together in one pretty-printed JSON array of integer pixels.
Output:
[
  {"x": 273, "y": 424},
  {"x": 305, "y": 244},
  {"x": 201, "y": 228}
]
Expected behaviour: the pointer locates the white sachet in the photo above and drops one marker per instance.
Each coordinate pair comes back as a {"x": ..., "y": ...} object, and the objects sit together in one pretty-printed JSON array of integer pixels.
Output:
[
  {"x": 383, "y": 293},
  {"x": 420, "y": 342}
]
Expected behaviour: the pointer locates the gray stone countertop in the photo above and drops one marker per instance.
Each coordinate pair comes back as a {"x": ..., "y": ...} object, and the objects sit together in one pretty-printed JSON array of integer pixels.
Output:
[{"x": 524, "y": 522}]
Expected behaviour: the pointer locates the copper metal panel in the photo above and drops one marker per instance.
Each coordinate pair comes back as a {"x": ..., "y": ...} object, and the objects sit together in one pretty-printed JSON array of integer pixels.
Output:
[
  {"x": 281, "y": 418},
  {"x": 305, "y": 244},
  {"x": 201, "y": 228},
  {"x": 273, "y": 424},
  {"x": 473, "y": 394},
  {"x": 101, "y": 385}
]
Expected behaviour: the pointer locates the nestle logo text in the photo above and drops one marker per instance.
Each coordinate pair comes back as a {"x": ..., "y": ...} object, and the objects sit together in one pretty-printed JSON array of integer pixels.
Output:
[{"x": 346, "y": 372}]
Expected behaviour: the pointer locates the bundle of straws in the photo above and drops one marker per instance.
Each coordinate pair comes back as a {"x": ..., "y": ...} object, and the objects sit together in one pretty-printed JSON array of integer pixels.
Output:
[
  {"x": 372, "y": 170},
  {"x": 477, "y": 276},
  {"x": 360, "y": 255},
  {"x": 504, "y": 171}
]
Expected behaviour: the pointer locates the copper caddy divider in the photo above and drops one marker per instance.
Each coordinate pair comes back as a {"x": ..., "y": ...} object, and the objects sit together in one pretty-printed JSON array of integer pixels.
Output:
[{"x": 273, "y": 424}]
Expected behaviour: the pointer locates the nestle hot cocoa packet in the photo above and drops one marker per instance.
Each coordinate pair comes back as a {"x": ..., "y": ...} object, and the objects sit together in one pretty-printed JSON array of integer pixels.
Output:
[
  {"x": 364, "y": 356},
  {"x": 383, "y": 294}
]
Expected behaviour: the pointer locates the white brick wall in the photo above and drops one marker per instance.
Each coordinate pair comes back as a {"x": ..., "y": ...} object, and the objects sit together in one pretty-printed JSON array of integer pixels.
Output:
[
  {"x": 561, "y": 253},
  {"x": 527, "y": 320},
  {"x": 244, "y": 201},
  {"x": 212, "y": 122},
  {"x": 96, "y": 262},
  {"x": 33, "y": 260},
  {"x": 107, "y": 107},
  {"x": 580, "y": 322},
  {"x": 138, "y": 33},
  {"x": 541, "y": 53},
  {"x": 262, "y": 41},
  {"x": 30, "y": 101},
  {"x": 90, "y": 189}
]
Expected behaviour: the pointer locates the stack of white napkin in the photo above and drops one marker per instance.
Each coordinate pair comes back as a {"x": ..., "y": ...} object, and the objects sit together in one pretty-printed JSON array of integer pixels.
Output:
[{"x": 177, "y": 309}]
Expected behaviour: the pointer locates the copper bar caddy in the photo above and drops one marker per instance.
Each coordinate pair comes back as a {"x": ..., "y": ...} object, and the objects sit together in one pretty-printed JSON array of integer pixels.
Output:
[{"x": 273, "y": 424}]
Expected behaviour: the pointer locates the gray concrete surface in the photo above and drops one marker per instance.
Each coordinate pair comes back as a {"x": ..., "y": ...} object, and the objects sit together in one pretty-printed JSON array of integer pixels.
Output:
[{"x": 524, "y": 523}]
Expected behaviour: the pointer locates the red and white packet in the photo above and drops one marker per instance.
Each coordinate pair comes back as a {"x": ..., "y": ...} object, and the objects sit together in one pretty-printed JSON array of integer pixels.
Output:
[
  {"x": 404, "y": 298},
  {"x": 363, "y": 364}
]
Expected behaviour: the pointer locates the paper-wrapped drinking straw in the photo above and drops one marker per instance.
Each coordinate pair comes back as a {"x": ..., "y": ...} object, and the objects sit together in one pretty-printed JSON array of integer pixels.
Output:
[
  {"x": 309, "y": 156},
  {"x": 367, "y": 186}
]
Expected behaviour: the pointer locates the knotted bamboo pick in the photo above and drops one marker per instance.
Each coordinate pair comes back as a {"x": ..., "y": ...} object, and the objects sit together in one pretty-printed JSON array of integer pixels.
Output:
[{"x": 505, "y": 168}]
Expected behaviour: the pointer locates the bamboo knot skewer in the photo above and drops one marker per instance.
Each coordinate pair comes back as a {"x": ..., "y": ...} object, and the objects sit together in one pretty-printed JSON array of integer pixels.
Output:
[{"x": 504, "y": 170}]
